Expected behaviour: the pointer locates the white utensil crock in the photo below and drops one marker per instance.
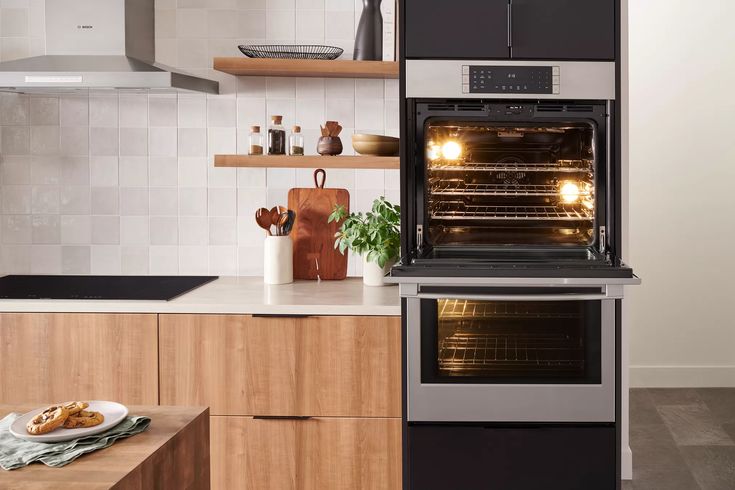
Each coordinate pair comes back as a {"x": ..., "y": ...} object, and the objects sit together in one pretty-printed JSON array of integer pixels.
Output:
[
  {"x": 373, "y": 274},
  {"x": 278, "y": 260}
]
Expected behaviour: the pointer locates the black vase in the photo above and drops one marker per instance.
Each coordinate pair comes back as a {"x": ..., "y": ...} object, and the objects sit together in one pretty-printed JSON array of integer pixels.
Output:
[{"x": 369, "y": 38}]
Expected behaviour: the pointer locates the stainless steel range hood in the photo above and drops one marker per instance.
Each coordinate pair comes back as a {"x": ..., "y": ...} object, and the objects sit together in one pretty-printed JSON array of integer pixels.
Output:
[{"x": 98, "y": 44}]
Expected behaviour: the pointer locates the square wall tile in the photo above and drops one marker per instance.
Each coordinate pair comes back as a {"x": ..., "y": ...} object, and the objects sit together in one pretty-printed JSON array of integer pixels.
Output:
[
  {"x": 164, "y": 230},
  {"x": 280, "y": 25},
  {"x": 164, "y": 201},
  {"x": 76, "y": 259},
  {"x": 46, "y": 229},
  {"x": 105, "y": 230},
  {"x": 44, "y": 111},
  {"x": 16, "y": 140},
  {"x": 106, "y": 260},
  {"x": 163, "y": 260},
  {"x": 103, "y": 111},
  {"x": 162, "y": 111},
  {"x": 44, "y": 140},
  {"x": 74, "y": 140},
  {"x": 45, "y": 199},
  {"x": 192, "y": 172},
  {"x": 134, "y": 260},
  {"x": 309, "y": 25},
  {"x": 162, "y": 142},
  {"x": 46, "y": 259},
  {"x": 76, "y": 230},
  {"x": 134, "y": 230},
  {"x": 192, "y": 142},
  {"x": 133, "y": 141},
  {"x": 15, "y": 170},
  {"x": 163, "y": 171},
  {"x": 250, "y": 261},
  {"x": 16, "y": 259},
  {"x": 104, "y": 171},
  {"x": 133, "y": 171},
  {"x": 193, "y": 260},
  {"x": 75, "y": 200},
  {"x": 221, "y": 112},
  {"x": 16, "y": 199},
  {"x": 14, "y": 109},
  {"x": 133, "y": 110},
  {"x": 223, "y": 261},
  {"x": 134, "y": 201},
  {"x": 192, "y": 111},
  {"x": 45, "y": 170},
  {"x": 222, "y": 202},
  {"x": 104, "y": 141},
  {"x": 74, "y": 111},
  {"x": 105, "y": 200},
  {"x": 16, "y": 229},
  {"x": 192, "y": 201},
  {"x": 193, "y": 230},
  {"x": 75, "y": 170},
  {"x": 222, "y": 231}
]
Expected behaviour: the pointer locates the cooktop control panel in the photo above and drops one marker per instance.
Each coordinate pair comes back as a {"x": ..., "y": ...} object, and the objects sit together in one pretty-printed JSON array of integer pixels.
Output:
[{"x": 478, "y": 79}]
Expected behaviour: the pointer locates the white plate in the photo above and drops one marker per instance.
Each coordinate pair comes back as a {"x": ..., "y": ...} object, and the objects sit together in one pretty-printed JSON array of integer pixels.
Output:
[{"x": 114, "y": 414}]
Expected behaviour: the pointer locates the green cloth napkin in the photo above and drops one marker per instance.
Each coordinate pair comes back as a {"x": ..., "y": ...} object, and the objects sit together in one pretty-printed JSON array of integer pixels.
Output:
[{"x": 16, "y": 453}]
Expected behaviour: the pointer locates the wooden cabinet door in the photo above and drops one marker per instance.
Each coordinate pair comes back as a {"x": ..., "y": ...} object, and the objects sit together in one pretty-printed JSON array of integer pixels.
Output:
[
  {"x": 316, "y": 366},
  {"x": 53, "y": 357},
  {"x": 563, "y": 29},
  {"x": 311, "y": 454}
]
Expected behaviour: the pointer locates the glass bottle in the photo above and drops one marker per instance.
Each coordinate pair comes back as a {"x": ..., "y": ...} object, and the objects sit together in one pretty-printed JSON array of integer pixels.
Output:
[
  {"x": 276, "y": 137},
  {"x": 256, "y": 141},
  {"x": 296, "y": 142}
]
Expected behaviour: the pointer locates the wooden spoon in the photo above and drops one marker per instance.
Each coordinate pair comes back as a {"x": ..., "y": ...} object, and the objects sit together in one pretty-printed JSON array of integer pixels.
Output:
[
  {"x": 263, "y": 218},
  {"x": 275, "y": 217}
]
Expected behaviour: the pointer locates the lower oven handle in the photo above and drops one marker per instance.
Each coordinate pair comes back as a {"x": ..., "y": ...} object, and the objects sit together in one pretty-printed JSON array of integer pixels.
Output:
[{"x": 521, "y": 297}]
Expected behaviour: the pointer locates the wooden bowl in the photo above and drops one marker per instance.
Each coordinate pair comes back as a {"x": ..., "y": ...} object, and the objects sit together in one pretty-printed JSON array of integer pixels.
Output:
[
  {"x": 329, "y": 145},
  {"x": 375, "y": 144}
]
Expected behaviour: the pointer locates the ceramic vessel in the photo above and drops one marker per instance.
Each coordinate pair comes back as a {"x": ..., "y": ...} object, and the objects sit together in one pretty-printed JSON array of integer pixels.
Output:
[
  {"x": 278, "y": 260},
  {"x": 369, "y": 37},
  {"x": 373, "y": 274},
  {"x": 329, "y": 145}
]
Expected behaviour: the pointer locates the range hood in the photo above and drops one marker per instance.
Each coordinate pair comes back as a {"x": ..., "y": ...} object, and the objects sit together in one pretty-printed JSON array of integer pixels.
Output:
[{"x": 98, "y": 44}]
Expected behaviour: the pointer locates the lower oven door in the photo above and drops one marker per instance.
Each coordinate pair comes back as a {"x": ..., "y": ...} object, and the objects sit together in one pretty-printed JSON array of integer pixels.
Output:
[{"x": 532, "y": 354}]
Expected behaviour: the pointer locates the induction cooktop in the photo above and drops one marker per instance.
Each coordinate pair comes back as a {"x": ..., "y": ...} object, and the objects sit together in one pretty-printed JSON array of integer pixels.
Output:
[{"x": 161, "y": 288}]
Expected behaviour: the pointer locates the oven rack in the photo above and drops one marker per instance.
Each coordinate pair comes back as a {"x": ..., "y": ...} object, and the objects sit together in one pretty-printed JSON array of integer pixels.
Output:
[
  {"x": 567, "y": 166},
  {"x": 467, "y": 310},
  {"x": 459, "y": 187},
  {"x": 453, "y": 210},
  {"x": 464, "y": 353}
]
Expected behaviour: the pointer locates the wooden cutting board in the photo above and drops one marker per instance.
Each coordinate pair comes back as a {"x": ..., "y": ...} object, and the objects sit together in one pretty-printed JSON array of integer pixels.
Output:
[{"x": 314, "y": 255}]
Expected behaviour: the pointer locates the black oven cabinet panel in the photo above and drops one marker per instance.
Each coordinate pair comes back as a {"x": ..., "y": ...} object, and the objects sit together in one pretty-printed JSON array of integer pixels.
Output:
[
  {"x": 504, "y": 29},
  {"x": 563, "y": 29},
  {"x": 457, "y": 29},
  {"x": 475, "y": 457}
]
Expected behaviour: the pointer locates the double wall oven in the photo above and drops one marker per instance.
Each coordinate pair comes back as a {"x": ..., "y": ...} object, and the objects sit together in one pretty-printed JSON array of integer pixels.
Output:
[{"x": 511, "y": 276}]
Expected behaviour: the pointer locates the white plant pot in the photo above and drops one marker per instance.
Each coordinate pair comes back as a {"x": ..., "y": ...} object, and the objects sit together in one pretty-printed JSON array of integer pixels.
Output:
[
  {"x": 373, "y": 274},
  {"x": 278, "y": 260}
]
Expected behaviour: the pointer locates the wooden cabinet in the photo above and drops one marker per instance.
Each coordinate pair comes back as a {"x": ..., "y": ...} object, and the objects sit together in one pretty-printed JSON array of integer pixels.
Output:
[
  {"x": 311, "y": 454},
  {"x": 314, "y": 366},
  {"x": 55, "y": 357}
]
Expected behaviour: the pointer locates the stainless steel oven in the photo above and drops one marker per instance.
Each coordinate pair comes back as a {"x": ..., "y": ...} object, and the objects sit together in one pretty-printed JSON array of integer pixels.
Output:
[{"x": 523, "y": 351}]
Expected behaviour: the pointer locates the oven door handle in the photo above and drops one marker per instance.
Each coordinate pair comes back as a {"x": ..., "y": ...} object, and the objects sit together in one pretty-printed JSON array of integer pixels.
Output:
[{"x": 614, "y": 294}]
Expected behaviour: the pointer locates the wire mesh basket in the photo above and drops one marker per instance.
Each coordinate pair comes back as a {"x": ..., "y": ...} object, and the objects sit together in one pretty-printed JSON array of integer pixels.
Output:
[{"x": 291, "y": 51}]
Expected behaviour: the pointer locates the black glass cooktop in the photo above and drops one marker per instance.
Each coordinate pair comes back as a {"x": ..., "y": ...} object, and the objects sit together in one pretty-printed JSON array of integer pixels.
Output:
[{"x": 100, "y": 287}]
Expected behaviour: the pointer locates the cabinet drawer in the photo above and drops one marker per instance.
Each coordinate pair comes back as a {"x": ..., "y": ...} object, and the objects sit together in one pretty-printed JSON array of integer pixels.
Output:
[
  {"x": 310, "y": 454},
  {"x": 315, "y": 366},
  {"x": 46, "y": 357}
]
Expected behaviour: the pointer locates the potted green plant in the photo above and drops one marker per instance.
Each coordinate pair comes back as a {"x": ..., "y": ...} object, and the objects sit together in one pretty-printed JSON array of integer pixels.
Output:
[{"x": 376, "y": 235}]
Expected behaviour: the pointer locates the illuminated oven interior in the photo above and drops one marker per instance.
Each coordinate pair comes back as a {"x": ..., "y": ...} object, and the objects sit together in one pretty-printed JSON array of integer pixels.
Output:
[
  {"x": 505, "y": 339},
  {"x": 498, "y": 184}
]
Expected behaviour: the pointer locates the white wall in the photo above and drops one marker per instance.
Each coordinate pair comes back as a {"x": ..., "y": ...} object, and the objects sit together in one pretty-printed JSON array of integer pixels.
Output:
[
  {"x": 682, "y": 198},
  {"x": 124, "y": 183}
]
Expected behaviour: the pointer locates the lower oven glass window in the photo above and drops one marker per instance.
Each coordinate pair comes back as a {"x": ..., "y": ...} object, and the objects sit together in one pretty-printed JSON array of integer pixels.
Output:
[
  {"x": 511, "y": 341},
  {"x": 502, "y": 184}
]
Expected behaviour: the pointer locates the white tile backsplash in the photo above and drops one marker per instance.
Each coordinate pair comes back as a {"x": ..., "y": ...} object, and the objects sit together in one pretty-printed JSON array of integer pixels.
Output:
[{"x": 123, "y": 181}]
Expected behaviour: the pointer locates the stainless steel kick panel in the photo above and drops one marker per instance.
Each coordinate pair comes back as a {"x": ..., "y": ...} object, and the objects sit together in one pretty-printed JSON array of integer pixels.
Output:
[
  {"x": 445, "y": 79},
  {"x": 442, "y": 402}
]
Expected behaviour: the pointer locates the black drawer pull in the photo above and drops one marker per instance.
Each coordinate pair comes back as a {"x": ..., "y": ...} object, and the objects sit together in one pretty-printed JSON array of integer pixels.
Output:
[{"x": 281, "y": 417}]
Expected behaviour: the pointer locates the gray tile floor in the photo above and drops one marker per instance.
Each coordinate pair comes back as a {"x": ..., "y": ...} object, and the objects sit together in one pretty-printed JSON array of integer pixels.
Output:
[{"x": 682, "y": 439}]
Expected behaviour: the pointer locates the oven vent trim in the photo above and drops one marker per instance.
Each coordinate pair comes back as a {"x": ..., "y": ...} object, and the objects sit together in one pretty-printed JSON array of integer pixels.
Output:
[
  {"x": 457, "y": 107},
  {"x": 557, "y": 108}
]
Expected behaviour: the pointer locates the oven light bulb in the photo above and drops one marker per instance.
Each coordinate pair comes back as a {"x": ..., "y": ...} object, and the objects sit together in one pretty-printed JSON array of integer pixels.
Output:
[
  {"x": 569, "y": 192},
  {"x": 434, "y": 152},
  {"x": 451, "y": 150}
]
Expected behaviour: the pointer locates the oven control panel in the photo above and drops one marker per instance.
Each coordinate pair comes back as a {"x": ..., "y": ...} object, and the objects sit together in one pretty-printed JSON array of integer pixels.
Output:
[{"x": 477, "y": 79}]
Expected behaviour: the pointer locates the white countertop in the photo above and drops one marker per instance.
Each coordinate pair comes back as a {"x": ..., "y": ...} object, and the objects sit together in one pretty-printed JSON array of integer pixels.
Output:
[{"x": 243, "y": 295}]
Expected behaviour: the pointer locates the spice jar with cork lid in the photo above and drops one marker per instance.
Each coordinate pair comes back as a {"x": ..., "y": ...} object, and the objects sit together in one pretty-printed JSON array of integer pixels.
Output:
[
  {"x": 296, "y": 142},
  {"x": 256, "y": 141},
  {"x": 276, "y": 136}
]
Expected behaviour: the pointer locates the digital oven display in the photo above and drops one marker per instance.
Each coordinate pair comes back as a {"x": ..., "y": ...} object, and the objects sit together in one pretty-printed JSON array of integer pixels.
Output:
[{"x": 511, "y": 79}]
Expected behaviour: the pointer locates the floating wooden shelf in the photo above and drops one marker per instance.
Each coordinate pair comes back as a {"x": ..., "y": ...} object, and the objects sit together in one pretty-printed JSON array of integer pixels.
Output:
[
  {"x": 317, "y": 161},
  {"x": 306, "y": 68}
]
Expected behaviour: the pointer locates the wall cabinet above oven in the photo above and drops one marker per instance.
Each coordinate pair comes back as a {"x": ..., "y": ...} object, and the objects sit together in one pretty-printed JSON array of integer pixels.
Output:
[{"x": 517, "y": 29}]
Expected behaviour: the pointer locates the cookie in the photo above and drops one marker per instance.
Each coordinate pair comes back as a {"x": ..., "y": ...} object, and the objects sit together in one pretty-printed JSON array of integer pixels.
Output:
[
  {"x": 51, "y": 418},
  {"x": 84, "y": 419},
  {"x": 75, "y": 407}
]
